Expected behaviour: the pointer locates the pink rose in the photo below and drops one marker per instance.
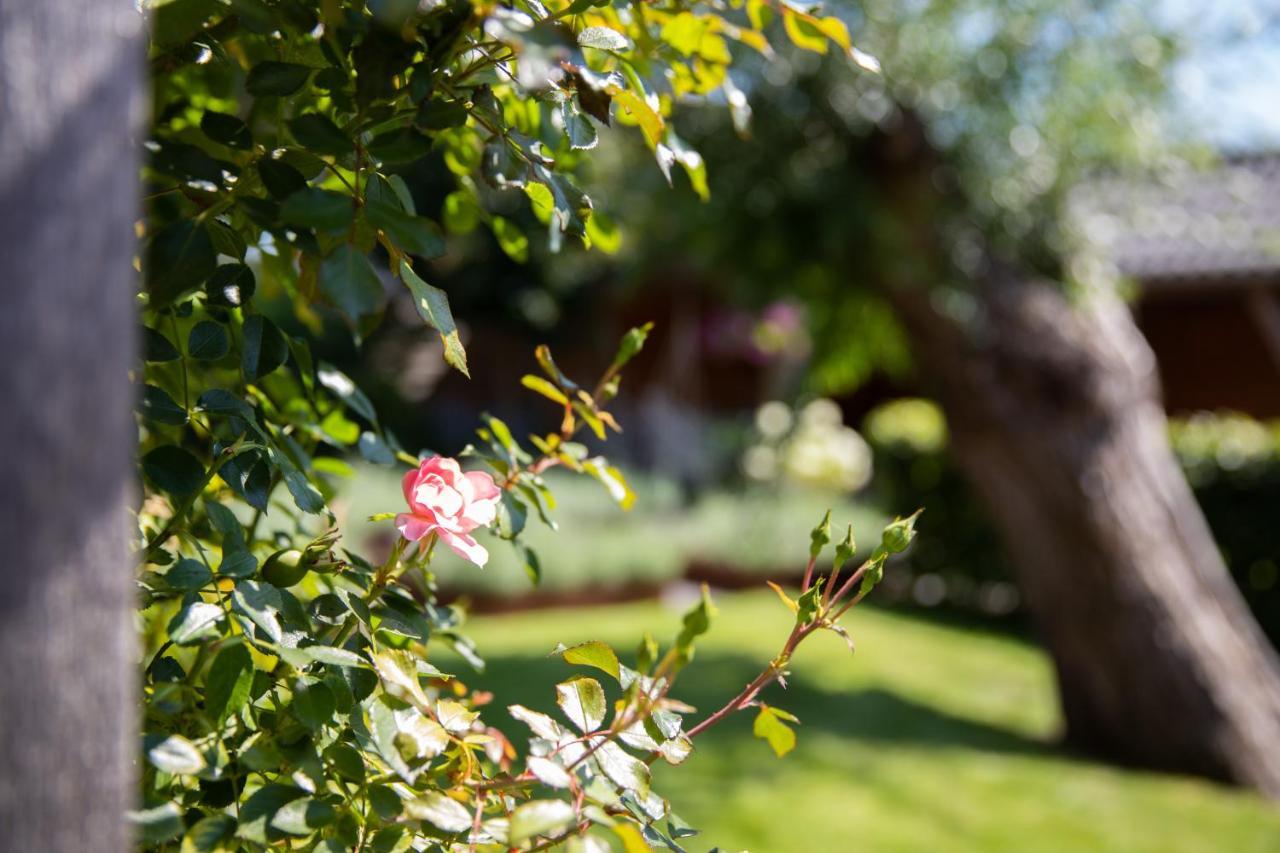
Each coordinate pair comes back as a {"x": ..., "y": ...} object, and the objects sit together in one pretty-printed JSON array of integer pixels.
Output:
[{"x": 451, "y": 504}]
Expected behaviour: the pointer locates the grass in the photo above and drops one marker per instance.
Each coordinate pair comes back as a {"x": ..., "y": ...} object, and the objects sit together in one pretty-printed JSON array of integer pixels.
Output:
[{"x": 929, "y": 738}]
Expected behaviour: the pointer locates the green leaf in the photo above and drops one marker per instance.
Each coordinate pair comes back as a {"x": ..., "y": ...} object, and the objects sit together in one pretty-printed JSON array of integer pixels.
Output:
[
  {"x": 502, "y": 433},
  {"x": 313, "y": 704},
  {"x": 261, "y": 602},
  {"x": 325, "y": 210},
  {"x": 541, "y": 724},
  {"x": 512, "y": 516},
  {"x": 611, "y": 478},
  {"x": 263, "y": 348},
  {"x": 349, "y": 281},
  {"x": 441, "y": 115},
  {"x": 256, "y": 16},
  {"x": 237, "y": 564},
  {"x": 157, "y": 825},
  {"x": 692, "y": 163},
  {"x": 226, "y": 240},
  {"x": 770, "y": 727},
  {"x": 208, "y": 341},
  {"x": 386, "y": 803},
  {"x": 197, "y": 620},
  {"x": 623, "y": 769},
  {"x": 177, "y": 21},
  {"x": 581, "y": 132},
  {"x": 188, "y": 575},
  {"x": 177, "y": 755},
  {"x": 414, "y": 235},
  {"x": 230, "y": 532},
  {"x": 433, "y": 307},
  {"x": 510, "y": 239},
  {"x": 257, "y": 812},
  {"x": 320, "y": 135},
  {"x": 696, "y": 622},
  {"x": 539, "y": 817},
  {"x": 158, "y": 406},
  {"x": 549, "y": 772},
  {"x": 207, "y": 834},
  {"x": 592, "y": 653},
  {"x": 227, "y": 129},
  {"x": 582, "y": 700},
  {"x": 228, "y": 682},
  {"x": 439, "y": 811},
  {"x": 603, "y": 38},
  {"x": 460, "y": 214},
  {"x": 455, "y": 716},
  {"x": 276, "y": 78},
  {"x": 399, "y": 146},
  {"x": 346, "y": 762},
  {"x": 305, "y": 495},
  {"x": 280, "y": 179},
  {"x": 333, "y": 656},
  {"x": 219, "y": 401},
  {"x": 231, "y": 285},
  {"x": 603, "y": 234},
  {"x": 173, "y": 470},
  {"x": 803, "y": 32},
  {"x": 346, "y": 390},
  {"x": 156, "y": 347},
  {"x": 399, "y": 674},
  {"x": 179, "y": 258},
  {"x": 545, "y": 388},
  {"x": 532, "y": 565}
]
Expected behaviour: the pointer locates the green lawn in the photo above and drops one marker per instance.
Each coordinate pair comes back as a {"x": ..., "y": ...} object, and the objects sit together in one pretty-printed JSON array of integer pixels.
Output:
[{"x": 929, "y": 738}]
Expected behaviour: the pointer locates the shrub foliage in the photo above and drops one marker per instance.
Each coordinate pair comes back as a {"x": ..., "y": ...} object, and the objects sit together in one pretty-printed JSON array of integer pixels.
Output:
[{"x": 292, "y": 696}]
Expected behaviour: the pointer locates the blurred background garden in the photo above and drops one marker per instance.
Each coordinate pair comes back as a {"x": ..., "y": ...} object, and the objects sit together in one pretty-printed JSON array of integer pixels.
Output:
[{"x": 1127, "y": 146}]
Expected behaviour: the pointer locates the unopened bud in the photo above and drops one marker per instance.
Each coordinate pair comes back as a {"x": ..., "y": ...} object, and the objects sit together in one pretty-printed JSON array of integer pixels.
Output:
[
  {"x": 898, "y": 535},
  {"x": 845, "y": 549},
  {"x": 820, "y": 536}
]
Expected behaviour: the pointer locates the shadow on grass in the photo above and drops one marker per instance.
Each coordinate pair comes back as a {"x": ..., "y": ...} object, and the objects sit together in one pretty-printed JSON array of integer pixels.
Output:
[{"x": 871, "y": 714}]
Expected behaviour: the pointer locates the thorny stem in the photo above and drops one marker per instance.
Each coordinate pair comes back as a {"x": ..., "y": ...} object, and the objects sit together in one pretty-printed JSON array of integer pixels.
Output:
[{"x": 775, "y": 670}]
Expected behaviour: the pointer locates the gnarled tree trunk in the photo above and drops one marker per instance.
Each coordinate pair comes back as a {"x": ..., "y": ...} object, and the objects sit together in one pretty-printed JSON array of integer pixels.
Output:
[
  {"x": 70, "y": 82},
  {"x": 1055, "y": 417}
]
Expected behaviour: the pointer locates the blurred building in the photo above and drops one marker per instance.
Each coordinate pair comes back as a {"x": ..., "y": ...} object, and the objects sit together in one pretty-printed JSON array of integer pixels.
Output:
[{"x": 1203, "y": 248}]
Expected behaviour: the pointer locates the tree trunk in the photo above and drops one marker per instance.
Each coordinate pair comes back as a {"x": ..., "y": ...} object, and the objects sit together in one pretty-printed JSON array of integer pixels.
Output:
[
  {"x": 70, "y": 87},
  {"x": 1056, "y": 420}
]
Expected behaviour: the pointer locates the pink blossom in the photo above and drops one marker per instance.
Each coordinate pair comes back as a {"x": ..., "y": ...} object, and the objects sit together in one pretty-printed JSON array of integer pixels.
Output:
[{"x": 445, "y": 501}]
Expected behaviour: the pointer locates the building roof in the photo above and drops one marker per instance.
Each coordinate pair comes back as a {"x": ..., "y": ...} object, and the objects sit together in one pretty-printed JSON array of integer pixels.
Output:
[{"x": 1218, "y": 224}]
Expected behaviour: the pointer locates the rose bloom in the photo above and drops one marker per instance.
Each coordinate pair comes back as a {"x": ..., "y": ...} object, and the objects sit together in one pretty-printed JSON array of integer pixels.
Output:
[{"x": 445, "y": 501}]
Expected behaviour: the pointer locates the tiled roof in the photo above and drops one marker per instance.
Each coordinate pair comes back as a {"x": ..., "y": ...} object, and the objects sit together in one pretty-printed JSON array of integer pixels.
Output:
[{"x": 1221, "y": 223}]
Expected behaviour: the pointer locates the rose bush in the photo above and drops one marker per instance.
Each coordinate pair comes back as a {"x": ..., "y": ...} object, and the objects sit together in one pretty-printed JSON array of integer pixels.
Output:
[{"x": 293, "y": 695}]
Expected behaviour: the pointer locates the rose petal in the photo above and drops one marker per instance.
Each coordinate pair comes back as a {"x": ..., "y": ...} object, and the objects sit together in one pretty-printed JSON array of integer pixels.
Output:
[
  {"x": 480, "y": 514},
  {"x": 438, "y": 498},
  {"x": 483, "y": 485},
  {"x": 409, "y": 483},
  {"x": 464, "y": 546},
  {"x": 413, "y": 527}
]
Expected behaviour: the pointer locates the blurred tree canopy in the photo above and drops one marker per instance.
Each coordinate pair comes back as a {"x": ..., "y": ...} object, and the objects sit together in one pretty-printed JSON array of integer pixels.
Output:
[{"x": 1019, "y": 102}]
